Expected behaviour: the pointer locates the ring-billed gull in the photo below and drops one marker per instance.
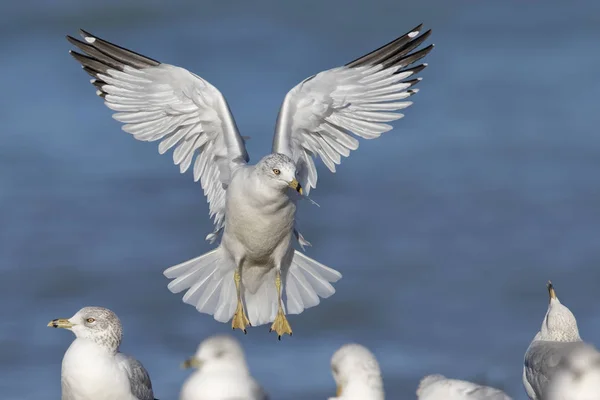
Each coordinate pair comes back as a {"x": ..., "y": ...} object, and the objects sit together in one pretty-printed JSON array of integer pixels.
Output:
[
  {"x": 356, "y": 373},
  {"x": 93, "y": 367},
  {"x": 438, "y": 387},
  {"x": 221, "y": 373},
  {"x": 578, "y": 377},
  {"x": 253, "y": 206},
  {"x": 557, "y": 338}
]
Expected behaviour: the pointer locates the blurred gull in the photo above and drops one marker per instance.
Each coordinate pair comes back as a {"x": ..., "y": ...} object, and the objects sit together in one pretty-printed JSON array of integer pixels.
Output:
[
  {"x": 356, "y": 373},
  {"x": 221, "y": 373},
  {"x": 578, "y": 377},
  {"x": 438, "y": 387},
  {"x": 557, "y": 338},
  {"x": 253, "y": 207},
  {"x": 93, "y": 368}
]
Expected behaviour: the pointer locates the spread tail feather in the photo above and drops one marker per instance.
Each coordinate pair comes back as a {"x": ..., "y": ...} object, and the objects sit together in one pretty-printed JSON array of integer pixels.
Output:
[
  {"x": 209, "y": 283},
  {"x": 211, "y": 288},
  {"x": 305, "y": 282}
]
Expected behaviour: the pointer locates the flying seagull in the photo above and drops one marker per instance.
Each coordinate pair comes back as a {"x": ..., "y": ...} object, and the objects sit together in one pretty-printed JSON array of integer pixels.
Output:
[{"x": 254, "y": 206}]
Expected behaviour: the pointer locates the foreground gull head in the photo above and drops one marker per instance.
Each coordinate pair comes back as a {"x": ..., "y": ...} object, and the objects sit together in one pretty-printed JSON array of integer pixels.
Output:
[
  {"x": 438, "y": 387},
  {"x": 578, "y": 376},
  {"x": 93, "y": 367},
  {"x": 356, "y": 373},
  {"x": 557, "y": 338},
  {"x": 254, "y": 213},
  {"x": 221, "y": 372}
]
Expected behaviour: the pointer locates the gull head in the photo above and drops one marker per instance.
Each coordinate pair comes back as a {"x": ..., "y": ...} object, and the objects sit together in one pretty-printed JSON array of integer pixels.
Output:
[
  {"x": 279, "y": 171},
  {"x": 218, "y": 353},
  {"x": 97, "y": 324},
  {"x": 559, "y": 323},
  {"x": 356, "y": 373}
]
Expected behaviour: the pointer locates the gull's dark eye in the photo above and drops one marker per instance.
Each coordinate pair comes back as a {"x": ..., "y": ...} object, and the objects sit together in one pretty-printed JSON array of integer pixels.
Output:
[
  {"x": 90, "y": 320},
  {"x": 276, "y": 171}
]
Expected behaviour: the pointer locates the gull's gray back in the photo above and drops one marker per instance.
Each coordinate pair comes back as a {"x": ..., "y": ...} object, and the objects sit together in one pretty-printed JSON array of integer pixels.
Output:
[{"x": 141, "y": 386}]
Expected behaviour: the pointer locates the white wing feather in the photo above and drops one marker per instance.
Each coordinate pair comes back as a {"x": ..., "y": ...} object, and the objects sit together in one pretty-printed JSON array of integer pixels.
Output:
[
  {"x": 162, "y": 102},
  {"x": 438, "y": 387},
  {"x": 319, "y": 116}
]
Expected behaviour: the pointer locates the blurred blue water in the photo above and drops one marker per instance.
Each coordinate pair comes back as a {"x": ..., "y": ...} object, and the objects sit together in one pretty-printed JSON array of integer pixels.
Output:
[{"x": 446, "y": 229}]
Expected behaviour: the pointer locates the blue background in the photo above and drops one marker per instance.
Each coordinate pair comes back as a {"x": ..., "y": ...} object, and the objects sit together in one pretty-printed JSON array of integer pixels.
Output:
[{"x": 445, "y": 229}]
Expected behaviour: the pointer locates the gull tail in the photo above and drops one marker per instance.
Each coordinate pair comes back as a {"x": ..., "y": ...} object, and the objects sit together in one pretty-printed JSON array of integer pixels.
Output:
[
  {"x": 210, "y": 287},
  {"x": 209, "y": 283},
  {"x": 304, "y": 284}
]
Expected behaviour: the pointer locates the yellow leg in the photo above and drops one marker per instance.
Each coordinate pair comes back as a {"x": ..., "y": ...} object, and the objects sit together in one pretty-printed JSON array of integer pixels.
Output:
[
  {"x": 281, "y": 324},
  {"x": 239, "y": 320}
]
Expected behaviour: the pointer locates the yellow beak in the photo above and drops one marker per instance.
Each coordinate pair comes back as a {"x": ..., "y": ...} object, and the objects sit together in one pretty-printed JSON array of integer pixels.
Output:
[
  {"x": 60, "y": 323},
  {"x": 191, "y": 362},
  {"x": 294, "y": 184},
  {"x": 551, "y": 291},
  {"x": 338, "y": 391}
]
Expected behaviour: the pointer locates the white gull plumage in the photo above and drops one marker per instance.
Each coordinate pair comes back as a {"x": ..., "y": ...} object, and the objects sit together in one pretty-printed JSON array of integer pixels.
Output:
[
  {"x": 220, "y": 372},
  {"x": 551, "y": 346},
  {"x": 438, "y": 387},
  {"x": 93, "y": 367},
  {"x": 356, "y": 373},
  {"x": 578, "y": 376},
  {"x": 252, "y": 205}
]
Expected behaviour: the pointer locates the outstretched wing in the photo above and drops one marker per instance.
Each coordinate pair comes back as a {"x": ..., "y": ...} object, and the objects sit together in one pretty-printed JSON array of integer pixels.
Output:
[
  {"x": 162, "y": 102},
  {"x": 139, "y": 380},
  {"x": 320, "y": 115}
]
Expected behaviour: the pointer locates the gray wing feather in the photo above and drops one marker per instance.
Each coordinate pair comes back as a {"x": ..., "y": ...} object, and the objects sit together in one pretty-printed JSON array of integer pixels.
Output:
[
  {"x": 319, "y": 116},
  {"x": 543, "y": 359},
  {"x": 141, "y": 386},
  {"x": 166, "y": 103}
]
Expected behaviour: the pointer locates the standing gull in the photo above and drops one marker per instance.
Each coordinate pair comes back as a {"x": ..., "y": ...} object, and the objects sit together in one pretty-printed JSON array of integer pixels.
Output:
[
  {"x": 253, "y": 207},
  {"x": 356, "y": 373},
  {"x": 557, "y": 338},
  {"x": 221, "y": 373},
  {"x": 93, "y": 368},
  {"x": 438, "y": 387}
]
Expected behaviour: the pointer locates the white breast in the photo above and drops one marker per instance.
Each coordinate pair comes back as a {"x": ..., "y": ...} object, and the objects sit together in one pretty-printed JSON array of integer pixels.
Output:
[
  {"x": 259, "y": 219},
  {"x": 90, "y": 373},
  {"x": 217, "y": 386}
]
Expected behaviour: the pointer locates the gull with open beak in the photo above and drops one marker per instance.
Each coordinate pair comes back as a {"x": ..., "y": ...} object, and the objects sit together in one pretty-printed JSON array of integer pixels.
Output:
[
  {"x": 93, "y": 367},
  {"x": 220, "y": 372},
  {"x": 254, "y": 206}
]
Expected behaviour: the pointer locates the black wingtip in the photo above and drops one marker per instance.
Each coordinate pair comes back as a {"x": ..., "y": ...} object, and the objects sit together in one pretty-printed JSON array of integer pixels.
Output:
[{"x": 395, "y": 53}]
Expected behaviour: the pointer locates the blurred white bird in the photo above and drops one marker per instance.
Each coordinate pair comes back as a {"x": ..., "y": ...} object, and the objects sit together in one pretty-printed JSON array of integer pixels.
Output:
[
  {"x": 356, "y": 373},
  {"x": 438, "y": 387},
  {"x": 221, "y": 373},
  {"x": 253, "y": 207},
  {"x": 557, "y": 338},
  {"x": 93, "y": 368},
  {"x": 578, "y": 376}
]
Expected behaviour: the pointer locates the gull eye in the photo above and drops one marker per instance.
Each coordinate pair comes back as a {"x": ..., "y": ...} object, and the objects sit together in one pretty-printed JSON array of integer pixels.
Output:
[
  {"x": 276, "y": 171},
  {"x": 90, "y": 320}
]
